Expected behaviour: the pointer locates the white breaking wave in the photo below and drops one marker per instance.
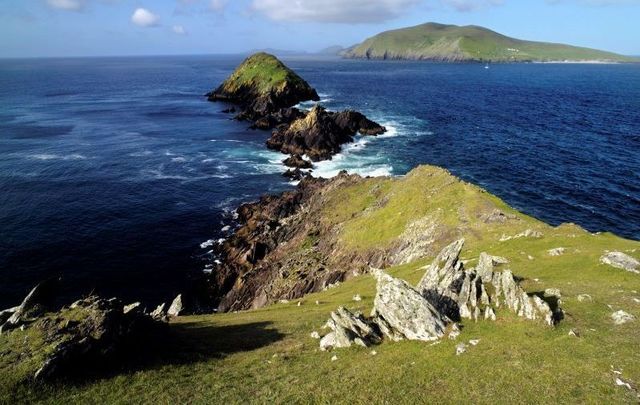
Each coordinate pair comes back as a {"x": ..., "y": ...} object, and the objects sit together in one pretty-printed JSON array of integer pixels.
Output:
[{"x": 51, "y": 156}]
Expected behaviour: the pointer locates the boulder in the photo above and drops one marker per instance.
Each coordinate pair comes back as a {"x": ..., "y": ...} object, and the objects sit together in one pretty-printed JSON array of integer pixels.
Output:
[
  {"x": 401, "y": 311},
  {"x": 622, "y": 261},
  {"x": 159, "y": 313},
  {"x": 557, "y": 251}
]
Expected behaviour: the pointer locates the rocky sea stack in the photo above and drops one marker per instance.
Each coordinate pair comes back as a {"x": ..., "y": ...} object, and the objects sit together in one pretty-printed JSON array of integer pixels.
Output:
[
  {"x": 267, "y": 91},
  {"x": 262, "y": 85}
]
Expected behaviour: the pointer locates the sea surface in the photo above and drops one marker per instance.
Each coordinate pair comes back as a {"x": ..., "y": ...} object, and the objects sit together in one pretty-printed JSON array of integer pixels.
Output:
[{"x": 118, "y": 175}]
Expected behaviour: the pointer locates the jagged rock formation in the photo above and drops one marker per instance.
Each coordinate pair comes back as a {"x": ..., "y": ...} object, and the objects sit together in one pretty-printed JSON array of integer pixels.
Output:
[
  {"x": 298, "y": 162},
  {"x": 402, "y": 313},
  {"x": 263, "y": 86},
  {"x": 446, "y": 294},
  {"x": 267, "y": 90},
  {"x": 320, "y": 133},
  {"x": 74, "y": 338},
  {"x": 347, "y": 329},
  {"x": 622, "y": 261}
]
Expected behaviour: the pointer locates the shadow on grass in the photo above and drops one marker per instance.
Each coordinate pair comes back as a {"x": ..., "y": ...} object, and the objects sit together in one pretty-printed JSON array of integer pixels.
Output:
[{"x": 175, "y": 344}]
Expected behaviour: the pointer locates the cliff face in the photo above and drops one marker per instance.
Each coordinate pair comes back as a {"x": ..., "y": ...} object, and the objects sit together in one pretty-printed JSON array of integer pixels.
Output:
[
  {"x": 327, "y": 231},
  {"x": 263, "y": 85}
]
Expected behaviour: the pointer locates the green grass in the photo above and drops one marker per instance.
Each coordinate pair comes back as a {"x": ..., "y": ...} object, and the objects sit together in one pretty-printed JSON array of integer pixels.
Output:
[
  {"x": 470, "y": 43},
  {"x": 267, "y": 355},
  {"x": 263, "y": 73}
]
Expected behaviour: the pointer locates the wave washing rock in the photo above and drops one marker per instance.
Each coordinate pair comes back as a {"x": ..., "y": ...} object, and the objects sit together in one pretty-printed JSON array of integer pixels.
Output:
[
  {"x": 446, "y": 294},
  {"x": 321, "y": 133},
  {"x": 622, "y": 261}
]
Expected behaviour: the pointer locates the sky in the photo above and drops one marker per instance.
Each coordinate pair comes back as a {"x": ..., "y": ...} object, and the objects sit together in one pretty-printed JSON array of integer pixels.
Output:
[{"x": 46, "y": 28}]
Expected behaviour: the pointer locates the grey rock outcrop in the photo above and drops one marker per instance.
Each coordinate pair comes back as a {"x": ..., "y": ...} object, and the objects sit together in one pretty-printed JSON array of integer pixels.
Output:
[
  {"x": 446, "y": 294},
  {"x": 621, "y": 317},
  {"x": 348, "y": 329},
  {"x": 176, "y": 307},
  {"x": 402, "y": 312},
  {"x": 622, "y": 261},
  {"x": 32, "y": 305}
]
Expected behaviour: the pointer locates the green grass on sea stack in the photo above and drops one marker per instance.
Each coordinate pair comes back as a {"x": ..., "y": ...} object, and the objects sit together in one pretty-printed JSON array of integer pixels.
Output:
[
  {"x": 267, "y": 355},
  {"x": 454, "y": 43},
  {"x": 262, "y": 73}
]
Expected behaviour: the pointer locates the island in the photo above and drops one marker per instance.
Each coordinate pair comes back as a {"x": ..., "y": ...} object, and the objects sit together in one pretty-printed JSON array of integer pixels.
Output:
[
  {"x": 471, "y": 43},
  {"x": 267, "y": 91}
]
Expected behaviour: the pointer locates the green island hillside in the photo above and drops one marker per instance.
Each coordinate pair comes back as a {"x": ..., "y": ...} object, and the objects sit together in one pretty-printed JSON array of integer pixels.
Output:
[
  {"x": 268, "y": 354},
  {"x": 452, "y": 43}
]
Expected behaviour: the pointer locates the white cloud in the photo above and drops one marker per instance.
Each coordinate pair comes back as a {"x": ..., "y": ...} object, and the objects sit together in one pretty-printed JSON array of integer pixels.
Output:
[
  {"x": 73, "y": 5},
  {"x": 335, "y": 11},
  {"x": 179, "y": 29},
  {"x": 470, "y": 5},
  {"x": 218, "y": 5},
  {"x": 145, "y": 18}
]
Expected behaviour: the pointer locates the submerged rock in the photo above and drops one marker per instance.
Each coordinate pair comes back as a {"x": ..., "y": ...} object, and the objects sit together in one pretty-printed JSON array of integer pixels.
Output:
[{"x": 622, "y": 261}]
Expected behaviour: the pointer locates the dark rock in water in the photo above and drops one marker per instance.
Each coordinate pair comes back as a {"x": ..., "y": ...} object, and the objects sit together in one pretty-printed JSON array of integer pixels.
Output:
[
  {"x": 297, "y": 161},
  {"x": 320, "y": 133},
  {"x": 229, "y": 110},
  {"x": 354, "y": 122},
  {"x": 294, "y": 174},
  {"x": 262, "y": 85}
]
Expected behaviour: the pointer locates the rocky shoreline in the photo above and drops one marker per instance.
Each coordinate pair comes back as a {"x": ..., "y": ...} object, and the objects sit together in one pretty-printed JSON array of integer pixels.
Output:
[{"x": 266, "y": 91}]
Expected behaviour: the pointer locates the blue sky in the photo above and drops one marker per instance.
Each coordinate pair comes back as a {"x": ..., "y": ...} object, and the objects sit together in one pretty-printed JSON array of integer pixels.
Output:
[{"x": 161, "y": 27}]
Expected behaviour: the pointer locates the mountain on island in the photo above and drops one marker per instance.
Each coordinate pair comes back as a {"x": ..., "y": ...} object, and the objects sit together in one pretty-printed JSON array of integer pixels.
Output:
[{"x": 452, "y": 43}]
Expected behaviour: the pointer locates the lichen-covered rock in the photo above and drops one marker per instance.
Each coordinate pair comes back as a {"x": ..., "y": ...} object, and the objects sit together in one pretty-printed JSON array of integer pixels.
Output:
[
  {"x": 622, "y": 261},
  {"x": 556, "y": 251},
  {"x": 403, "y": 310},
  {"x": 621, "y": 317},
  {"x": 486, "y": 264},
  {"x": 348, "y": 329}
]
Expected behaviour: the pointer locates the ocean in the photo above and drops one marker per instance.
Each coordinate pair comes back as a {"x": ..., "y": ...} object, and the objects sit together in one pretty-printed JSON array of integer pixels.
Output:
[{"x": 118, "y": 175}]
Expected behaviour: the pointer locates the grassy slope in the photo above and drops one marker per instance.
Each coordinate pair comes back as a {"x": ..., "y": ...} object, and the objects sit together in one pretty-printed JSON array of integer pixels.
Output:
[
  {"x": 267, "y": 354},
  {"x": 262, "y": 72},
  {"x": 437, "y": 41}
]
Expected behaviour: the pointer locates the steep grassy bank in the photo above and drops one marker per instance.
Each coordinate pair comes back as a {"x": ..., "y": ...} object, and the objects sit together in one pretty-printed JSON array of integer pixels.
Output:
[
  {"x": 452, "y": 43},
  {"x": 267, "y": 354}
]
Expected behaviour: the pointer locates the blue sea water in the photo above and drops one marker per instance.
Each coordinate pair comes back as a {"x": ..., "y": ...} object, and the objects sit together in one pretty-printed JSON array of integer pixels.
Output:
[{"x": 117, "y": 173}]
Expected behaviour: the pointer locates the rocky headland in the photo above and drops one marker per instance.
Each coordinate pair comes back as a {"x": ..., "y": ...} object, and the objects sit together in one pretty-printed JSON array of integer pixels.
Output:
[{"x": 267, "y": 91}]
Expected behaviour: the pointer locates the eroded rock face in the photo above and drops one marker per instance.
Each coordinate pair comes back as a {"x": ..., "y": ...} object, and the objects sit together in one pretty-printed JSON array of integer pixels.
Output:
[
  {"x": 622, "y": 261},
  {"x": 320, "y": 133}
]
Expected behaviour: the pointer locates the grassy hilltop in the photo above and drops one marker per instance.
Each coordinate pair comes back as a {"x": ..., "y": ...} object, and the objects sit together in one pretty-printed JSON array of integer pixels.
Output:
[
  {"x": 267, "y": 354},
  {"x": 452, "y": 43}
]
